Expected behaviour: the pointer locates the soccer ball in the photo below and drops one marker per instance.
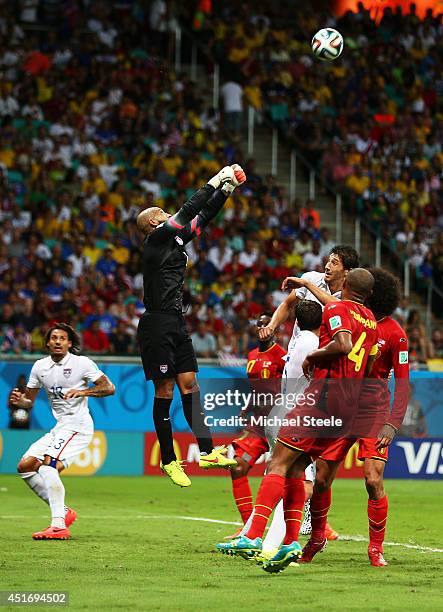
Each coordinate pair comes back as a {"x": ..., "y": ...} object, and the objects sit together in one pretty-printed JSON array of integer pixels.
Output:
[{"x": 327, "y": 44}]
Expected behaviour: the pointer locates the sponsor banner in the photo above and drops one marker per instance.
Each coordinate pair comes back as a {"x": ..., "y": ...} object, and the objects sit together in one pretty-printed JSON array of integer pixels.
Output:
[
  {"x": 108, "y": 453},
  {"x": 408, "y": 458}
]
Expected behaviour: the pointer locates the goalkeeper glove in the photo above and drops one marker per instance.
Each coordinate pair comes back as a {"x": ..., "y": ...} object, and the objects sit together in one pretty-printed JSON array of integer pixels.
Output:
[
  {"x": 225, "y": 175},
  {"x": 238, "y": 179}
]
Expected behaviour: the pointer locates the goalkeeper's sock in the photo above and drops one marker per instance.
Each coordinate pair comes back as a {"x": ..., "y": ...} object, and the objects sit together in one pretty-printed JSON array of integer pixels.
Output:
[
  {"x": 293, "y": 502},
  {"x": 163, "y": 429},
  {"x": 243, "y": 496},
  {"x": 377, "y": 517},
  {"x": 195, "y": 417},
  {"x": 320, "y": 504},
  {"x": 269, "y": 494}
]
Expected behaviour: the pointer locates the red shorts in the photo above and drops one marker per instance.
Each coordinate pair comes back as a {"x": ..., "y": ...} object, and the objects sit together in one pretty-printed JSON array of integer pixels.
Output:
[
  {"x": 368, "y": 450},
  {"x": 335, "y": 449},
  {"x": 250, "y": 447}
]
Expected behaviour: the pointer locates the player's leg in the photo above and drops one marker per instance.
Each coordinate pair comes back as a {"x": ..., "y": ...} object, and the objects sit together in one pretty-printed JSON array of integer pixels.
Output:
[
  {"x": 270, "y": 492},
  {"x": 377, "y": 509},
  {"x": 195, "y": 415},
  {"x": 306, "y": 527},
  {"x": 28, "y": 467}
]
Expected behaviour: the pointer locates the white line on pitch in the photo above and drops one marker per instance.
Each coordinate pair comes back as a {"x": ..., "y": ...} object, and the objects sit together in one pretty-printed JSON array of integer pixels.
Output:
[{"x": 345, "y": 538}]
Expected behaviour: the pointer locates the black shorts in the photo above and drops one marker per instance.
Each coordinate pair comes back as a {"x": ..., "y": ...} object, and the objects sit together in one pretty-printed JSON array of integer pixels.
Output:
[{"x": 165, "y": 346}]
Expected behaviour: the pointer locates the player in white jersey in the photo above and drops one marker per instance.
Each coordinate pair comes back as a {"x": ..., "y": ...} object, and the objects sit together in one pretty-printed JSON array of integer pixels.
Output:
[
  {"x": 65, "y": 377},
  {"x": 342, "y": 258}
]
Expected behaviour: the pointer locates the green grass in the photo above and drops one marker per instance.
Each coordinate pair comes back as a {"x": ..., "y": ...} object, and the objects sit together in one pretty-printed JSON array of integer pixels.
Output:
[{"x": 119, "y": 560}]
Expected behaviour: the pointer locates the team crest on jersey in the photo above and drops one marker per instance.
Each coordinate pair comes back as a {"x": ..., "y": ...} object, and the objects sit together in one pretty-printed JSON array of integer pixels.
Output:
[
  {"x": 163, "y": 369},
  {"x": 67, "y": 372},
  {"x": 335, "y": 322},
  {"x": 179, "y": 240}
]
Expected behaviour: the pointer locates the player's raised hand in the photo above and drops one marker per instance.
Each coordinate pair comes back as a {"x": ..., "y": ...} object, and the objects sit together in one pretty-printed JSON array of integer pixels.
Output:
[
  {"x": 222, "y": 178},
  {"x": 292, "y": 282},
  {"x": 74, "y": 393},
  {"x": 266, "y": 333},
  {"x": 239, "y": 175}
]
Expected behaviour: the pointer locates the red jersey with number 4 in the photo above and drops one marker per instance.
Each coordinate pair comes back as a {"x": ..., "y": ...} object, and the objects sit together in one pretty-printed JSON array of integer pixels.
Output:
[
  {"x": 355, "y": 318},
  {"x": 392, "y": 355}
]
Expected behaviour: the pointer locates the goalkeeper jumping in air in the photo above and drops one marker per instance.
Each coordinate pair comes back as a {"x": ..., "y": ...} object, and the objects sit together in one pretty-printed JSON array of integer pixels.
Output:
[{"x": 166, "y": 348}]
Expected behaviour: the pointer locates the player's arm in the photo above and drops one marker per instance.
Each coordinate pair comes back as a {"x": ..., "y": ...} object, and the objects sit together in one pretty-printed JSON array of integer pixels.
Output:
[
  {"x": 341, "y": 344},
  {"x": 280, "y": 315},
  {"x": 400, "y": 365},
  {"x": 294, "y": 282},
  {"x": 23, "y": 400},
  {"x": 101, "y": 388}
]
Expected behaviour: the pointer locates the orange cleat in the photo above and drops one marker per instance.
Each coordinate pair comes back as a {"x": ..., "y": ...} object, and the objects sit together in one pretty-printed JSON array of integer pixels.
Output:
[
  {"x": 375, "y": 555},
  {"x": 330, "y": 534},
  {"x": 52, "y": 533},
  {"x": 311, "y": 549},
  {"x": 71, "y": 516},
  {"x": 234, "y": 535}
]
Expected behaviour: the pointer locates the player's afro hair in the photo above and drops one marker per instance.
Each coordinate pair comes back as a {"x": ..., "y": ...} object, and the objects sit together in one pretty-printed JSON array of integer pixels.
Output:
[
  {"x": 347, "y": 254},
  {"x": 385, "y": 295},
  {"x": 72, "y": 335},
  {"x": 308, "y": 314}
]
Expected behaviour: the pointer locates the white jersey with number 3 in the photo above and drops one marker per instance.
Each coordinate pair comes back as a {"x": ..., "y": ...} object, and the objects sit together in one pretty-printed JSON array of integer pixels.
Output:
[{"x": 72, "y": 372}]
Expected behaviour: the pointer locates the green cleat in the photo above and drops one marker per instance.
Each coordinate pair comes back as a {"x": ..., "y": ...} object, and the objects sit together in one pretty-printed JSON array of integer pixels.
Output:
[
  {"x": 242, "y": 546},
  {"x": 217, "y": 459},
  {"x": 284, "y": 557},
  {"x": 176, "y": 473}
]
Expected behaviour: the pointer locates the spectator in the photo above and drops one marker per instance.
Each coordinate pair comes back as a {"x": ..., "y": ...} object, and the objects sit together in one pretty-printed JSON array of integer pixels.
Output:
[
  {"x": 94, "y": 339},
  {"x": 232, "y": 96},
  {"x": 121, "y": 343},
  {"x": 203, "y": 341}
]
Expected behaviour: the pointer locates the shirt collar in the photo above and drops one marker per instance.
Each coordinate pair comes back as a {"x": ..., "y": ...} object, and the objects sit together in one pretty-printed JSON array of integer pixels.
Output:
[{"x": 63, "y": 362}]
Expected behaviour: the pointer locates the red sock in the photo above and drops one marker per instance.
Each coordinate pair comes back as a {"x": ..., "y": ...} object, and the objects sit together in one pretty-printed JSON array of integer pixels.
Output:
[
  {"x": 320, "y": 504},
  {"x": 268, "y": 496},
  {"x": 293, "y": 502},
  {"x": 243, "y": 497},
  {"x": 377, "y": 516}
]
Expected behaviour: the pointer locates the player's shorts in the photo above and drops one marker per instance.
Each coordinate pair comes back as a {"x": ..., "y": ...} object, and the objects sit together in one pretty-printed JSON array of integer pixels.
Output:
[
  {"x": 330, "y": 449},
  {"x": 165, "y": 345},
  {"x": 60, "y": 443},
  {"x": 368, "y": 450},
  {"x": 250, "y": 447}
]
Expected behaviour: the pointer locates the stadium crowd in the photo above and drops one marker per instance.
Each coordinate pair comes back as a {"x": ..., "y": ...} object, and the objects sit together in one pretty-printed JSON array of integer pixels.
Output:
[
  {"x": 95, "y": 126},
  {"x": 370, "y": 123}
]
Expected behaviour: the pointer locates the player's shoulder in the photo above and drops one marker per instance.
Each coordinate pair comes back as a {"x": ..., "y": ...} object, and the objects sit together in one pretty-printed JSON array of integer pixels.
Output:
[
  {"x": 278, "y": 350},
  {"x": 82, "y": 361},
  {"x": 393, "y": 328},
  {"x": 253, "y": 354},
  {"x": 314, "y": 277},
  {"x": 41, "y": 364}
]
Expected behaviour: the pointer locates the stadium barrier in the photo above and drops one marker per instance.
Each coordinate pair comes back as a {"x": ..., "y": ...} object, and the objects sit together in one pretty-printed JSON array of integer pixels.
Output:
[{"x": 130, "y": 409}]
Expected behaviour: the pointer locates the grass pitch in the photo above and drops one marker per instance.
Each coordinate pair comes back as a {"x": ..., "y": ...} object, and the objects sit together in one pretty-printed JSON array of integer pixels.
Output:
[{"x": 130, "y": 550}]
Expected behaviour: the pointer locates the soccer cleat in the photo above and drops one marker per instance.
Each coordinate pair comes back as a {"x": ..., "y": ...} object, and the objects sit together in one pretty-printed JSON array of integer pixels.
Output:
[
  {"x": 70, "y": 516},
  {"x": 375, "y": 555},
  {"x": 264, "y": 556},
  {"x": 311, "y": 549},
  {"x": 216, "y": 459},
  {"x": 284, "y": 557},
  {"x": 306, "y": 527},
  {"x": 176, "y": 473},
  {"x": 234, "y": 535},
  {"x": 52, "y": 533},
  {"x": 331, "y": 534},
  {"x": 242, "y": 546}
]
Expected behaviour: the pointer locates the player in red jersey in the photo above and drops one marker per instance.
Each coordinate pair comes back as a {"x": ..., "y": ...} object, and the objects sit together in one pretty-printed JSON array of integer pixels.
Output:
[
  {"x": 265, "y": 363},
  {"x": 347, "y": 348},
  {"x": 374, "y": 401}
]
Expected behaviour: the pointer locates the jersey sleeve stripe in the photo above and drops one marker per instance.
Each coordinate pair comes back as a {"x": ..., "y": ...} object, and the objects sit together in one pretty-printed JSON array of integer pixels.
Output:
[
  {"x": 341, "y": 330},
  {"x": 175, "y": 224}
]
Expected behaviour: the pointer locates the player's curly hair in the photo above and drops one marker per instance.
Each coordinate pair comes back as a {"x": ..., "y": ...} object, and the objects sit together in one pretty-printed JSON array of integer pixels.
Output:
[
  {"x": 72, "y": 335},
  {"x": 347, "y": 254},
  {"x": 308, "y": 314},
  {"x": 385, "y": 295}
]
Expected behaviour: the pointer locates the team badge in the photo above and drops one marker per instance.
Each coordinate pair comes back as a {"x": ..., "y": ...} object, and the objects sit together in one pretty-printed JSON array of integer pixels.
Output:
[
  {"x": 67, "y": 372},
  {"x": 163, "y": 369}
]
